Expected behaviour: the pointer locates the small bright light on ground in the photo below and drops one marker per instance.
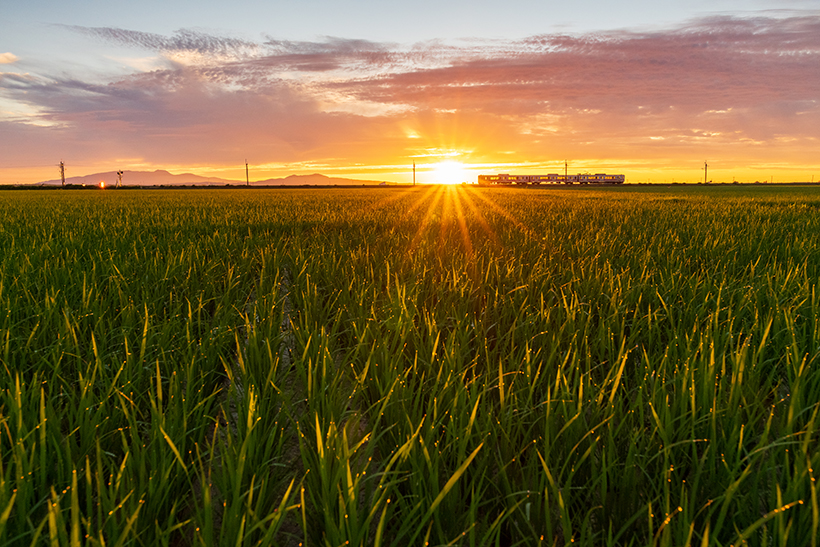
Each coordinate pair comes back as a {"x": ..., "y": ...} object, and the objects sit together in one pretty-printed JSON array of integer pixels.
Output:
[{"x": 102, "y": 184}]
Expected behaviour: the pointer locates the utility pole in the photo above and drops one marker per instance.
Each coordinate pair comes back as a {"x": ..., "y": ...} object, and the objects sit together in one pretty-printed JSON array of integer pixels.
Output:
[
  {"x": 414, "y": 173},
  {"x": 62, "y": 172},
  {"x": 705, "y": 171},
  {"x": 119, "y": 179},
  {"x": 247, "y": 178},
  {"x": 566, "y": 173}
]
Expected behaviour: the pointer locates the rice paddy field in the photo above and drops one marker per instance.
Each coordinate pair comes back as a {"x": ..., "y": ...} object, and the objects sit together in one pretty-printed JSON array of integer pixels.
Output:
[{"x": 430, "y": 366}]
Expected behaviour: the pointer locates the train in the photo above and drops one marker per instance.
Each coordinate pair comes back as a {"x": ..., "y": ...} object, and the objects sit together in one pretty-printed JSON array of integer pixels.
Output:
[{"x": 552, "y": 178}]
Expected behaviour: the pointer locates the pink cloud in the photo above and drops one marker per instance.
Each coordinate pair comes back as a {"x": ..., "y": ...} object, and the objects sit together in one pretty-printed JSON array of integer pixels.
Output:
[{"x": 717, "y": 64}]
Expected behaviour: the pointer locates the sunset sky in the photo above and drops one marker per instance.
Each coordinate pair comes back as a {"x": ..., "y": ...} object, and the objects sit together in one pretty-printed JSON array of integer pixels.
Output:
[{"x": 362, "y": 89}]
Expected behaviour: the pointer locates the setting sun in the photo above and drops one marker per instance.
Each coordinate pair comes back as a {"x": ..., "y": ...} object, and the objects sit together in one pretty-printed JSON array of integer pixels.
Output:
[{"x": 450, "y": 172}]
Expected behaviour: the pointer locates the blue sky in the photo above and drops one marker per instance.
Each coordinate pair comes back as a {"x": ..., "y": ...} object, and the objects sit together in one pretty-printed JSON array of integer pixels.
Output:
[
  {"x": 359, "y": 87},
  {"x": 29, "y": 25}
]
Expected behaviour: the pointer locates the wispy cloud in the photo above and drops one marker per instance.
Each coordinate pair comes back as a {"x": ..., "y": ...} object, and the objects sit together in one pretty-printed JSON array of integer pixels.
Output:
[
  {"x": 182, "y": 40},
  {"x": 7, "y": 58},
  {"x": 716, "y": 64}
]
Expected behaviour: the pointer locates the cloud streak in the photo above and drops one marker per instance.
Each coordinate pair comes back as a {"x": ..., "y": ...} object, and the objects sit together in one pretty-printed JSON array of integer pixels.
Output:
[
  {"x": 182, "y": 40},
  {"x": 717, "y": 65}
]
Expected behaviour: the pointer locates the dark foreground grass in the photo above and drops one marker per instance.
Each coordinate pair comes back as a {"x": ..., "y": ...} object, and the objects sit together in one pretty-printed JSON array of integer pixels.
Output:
[{"x": 405, "y": 367}]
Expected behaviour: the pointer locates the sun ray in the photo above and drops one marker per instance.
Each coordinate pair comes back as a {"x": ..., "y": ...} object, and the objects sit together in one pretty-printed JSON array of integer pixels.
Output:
[
  {"x": 509, "y": 216},
  {"x": 436, "y": 197},
  {"x": 385, "y": 201},
  {"x": 482, "y": 220},
  {"x": 444, "y": 227},
  {"x": 462, "y": 224},
  {"x": 429, "y": 191}
]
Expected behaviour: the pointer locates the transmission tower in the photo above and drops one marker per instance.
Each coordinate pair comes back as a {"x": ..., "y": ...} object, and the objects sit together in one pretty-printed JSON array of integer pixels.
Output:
[
  {"x": 119, "y": 179},
  {"x": 62, "y": 172}
]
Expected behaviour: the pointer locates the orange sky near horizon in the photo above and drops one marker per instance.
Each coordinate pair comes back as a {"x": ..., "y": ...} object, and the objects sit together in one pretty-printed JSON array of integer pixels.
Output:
[{"x": 740, "y": 93}]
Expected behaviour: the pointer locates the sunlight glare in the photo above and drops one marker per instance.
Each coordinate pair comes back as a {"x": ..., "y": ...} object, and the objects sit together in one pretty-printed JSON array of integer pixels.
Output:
[{"x": 450, "y": 172}]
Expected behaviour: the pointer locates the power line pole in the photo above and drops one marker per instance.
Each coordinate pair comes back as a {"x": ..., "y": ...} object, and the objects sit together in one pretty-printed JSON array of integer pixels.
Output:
[
  {"x": 62, "y": 172},
  {"x": 119, "y": 179},
  {"x": 247, "y": 178},
  {"x": 705, "y": 171},
  {"x": 414, "y": 173}
]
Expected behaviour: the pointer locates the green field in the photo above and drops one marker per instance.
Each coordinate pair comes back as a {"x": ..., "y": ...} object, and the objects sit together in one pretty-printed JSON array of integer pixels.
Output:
[{"x": 437, "y": 365}]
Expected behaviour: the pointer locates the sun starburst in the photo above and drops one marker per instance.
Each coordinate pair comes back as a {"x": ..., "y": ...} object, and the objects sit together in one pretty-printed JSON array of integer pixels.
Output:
[{"x": 449, "y": 172}]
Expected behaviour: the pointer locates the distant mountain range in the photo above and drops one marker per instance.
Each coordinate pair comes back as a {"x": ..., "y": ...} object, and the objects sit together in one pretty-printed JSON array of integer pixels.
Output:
[{"x": 164, "y": 178}]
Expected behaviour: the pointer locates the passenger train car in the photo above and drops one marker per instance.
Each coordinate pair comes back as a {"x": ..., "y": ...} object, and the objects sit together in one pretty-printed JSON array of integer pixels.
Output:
[{"x": 524, "y": 180}]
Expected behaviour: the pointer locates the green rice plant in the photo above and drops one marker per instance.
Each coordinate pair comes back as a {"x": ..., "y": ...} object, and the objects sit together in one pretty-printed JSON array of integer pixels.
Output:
[{"x": 472, "y": 366}]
